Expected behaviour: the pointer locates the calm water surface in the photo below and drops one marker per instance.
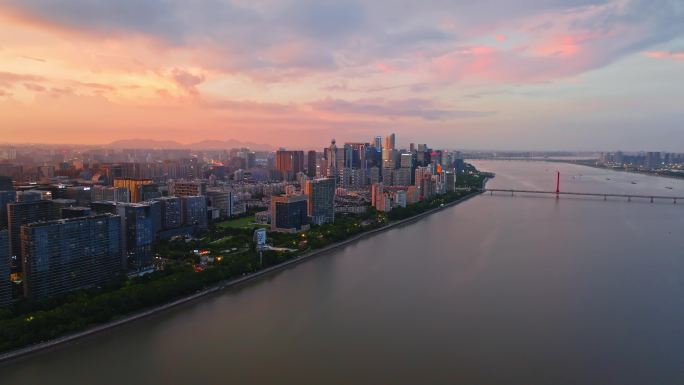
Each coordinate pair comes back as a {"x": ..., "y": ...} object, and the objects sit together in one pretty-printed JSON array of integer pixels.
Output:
[{"x": 498, "y": 290}]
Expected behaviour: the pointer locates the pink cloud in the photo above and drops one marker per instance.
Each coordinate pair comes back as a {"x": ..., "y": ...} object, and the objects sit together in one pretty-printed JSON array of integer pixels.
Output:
[
  {"x": 665, "y": 55},
  {"x": 386, "y": 68}
]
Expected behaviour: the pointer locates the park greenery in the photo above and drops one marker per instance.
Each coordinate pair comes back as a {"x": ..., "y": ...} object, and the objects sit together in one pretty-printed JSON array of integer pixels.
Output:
[{"x": 231, "y": 247}]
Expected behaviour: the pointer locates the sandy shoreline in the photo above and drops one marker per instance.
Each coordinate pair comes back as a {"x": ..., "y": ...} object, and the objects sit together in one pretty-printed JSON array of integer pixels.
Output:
[{"x": 14, "y": 354}]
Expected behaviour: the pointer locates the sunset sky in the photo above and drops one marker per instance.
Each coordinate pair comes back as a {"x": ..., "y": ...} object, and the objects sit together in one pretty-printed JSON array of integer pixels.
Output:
[{"x": 488, "y": 74}]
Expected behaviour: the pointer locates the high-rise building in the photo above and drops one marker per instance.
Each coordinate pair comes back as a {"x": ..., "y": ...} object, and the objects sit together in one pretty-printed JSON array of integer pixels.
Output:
[
  {"x": 450, "y": 180},
  {"x": 311, "y": 164},
  {"x": 134, "y": 186},
  {"x": 400, "y": 198},
  {"x": 5, "y": 283},
  {"x": 194, "y": 211},
  {"x": 149, "y": 192},
  {"x": 289, "y": 213},
  {"x": 137, "y": 234},
  {"x": 412, "y": 195},
  {"x": 170, "y": 212},
  {"x": 289, "y": 163},
  {"x": 5, "y": 198},
  {"x": 321, "y": 200},
  {"x": 390, "y": 142},
  {"x": 20, "y": 214},
  {"x": 377, "y": 193},
  {"x": 156, "y": 214},
  {"x": 331, "y": 160},
  {"x": 374, "y": 175},
  {"x": 407, "y": 160},
  {"x": 653, "y": 160},
  {"x": 377, "y": 142},
  {"x": 357, "y": 179},
  {"x": 222, "y": 200},
  {"x": 389, "y": 163},
  {"x": 401, "y": 177},
  {"x": 355, "y": 155},
  {"x": 69, "y": 254},
  {"x": 423, "y": 181},
  {"x": 248, "y": 156}
]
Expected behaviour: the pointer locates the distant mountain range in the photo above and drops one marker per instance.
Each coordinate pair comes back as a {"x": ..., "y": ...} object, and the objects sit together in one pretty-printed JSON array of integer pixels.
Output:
[{"x": 203, "y": 145}]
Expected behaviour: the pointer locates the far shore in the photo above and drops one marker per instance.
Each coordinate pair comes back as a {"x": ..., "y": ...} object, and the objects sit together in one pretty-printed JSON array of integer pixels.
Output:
[
  {"x": 577, "y": 163},
  {"x": 36, "y": 348}
]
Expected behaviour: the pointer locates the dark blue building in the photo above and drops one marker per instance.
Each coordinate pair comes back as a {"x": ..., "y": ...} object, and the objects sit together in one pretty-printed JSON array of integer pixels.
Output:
[
  {"x": 69, "y": 254},
  {"x": 289, "y": 213},
  {"x": 138, "y": 234}
]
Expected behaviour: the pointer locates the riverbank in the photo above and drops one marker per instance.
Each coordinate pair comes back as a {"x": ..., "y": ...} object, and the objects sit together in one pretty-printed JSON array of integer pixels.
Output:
[
  {"x": 593, "y": 164},
  {"x": 36, "y": 348}
]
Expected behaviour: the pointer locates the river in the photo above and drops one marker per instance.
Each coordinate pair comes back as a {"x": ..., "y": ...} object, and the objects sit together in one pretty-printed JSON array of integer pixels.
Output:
[{"x": 497, "y": 290}]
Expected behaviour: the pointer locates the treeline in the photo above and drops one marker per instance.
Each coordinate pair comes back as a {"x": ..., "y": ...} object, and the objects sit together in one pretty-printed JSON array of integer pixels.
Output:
[
  {"x": 29, "y": 323},
  {"x": 399, "y": 213}
]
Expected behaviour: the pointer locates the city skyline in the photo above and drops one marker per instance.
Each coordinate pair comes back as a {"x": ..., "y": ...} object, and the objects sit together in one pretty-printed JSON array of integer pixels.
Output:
[{"x": 565, "y": 75}]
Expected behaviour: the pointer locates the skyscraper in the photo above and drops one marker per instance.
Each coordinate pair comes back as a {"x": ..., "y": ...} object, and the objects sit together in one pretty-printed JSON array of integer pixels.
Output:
[
  {"x": 321, "y": 200},
  {"x": 289, "y": 163},
  {"x": 377, "y": 142},
  {"x": 137, "y": 234},
  {"x": 390, "y": 142},
  {"x": 389, "y": 163},
  {"x": 69, "y": 254},
  {"x": 311, "y": 164},
  {"x": 331, "y": 157}
]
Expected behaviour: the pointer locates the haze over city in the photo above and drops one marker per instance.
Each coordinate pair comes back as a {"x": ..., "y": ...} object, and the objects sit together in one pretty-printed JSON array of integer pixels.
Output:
[{"x": 552, "y": 74}]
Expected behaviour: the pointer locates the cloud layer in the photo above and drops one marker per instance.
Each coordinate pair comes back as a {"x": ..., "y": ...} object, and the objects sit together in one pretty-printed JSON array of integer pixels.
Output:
[{"x": 318, "y": 62}]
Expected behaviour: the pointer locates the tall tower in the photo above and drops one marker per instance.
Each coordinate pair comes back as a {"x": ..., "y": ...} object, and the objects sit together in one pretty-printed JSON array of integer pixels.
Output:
[
  {"x": 390, "y": 142},
  {"x": 332, "y": 159}
]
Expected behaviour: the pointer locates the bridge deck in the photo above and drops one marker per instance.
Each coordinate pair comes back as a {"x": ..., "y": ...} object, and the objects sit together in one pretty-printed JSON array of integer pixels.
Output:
[{"x": 584, "y": 194}]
